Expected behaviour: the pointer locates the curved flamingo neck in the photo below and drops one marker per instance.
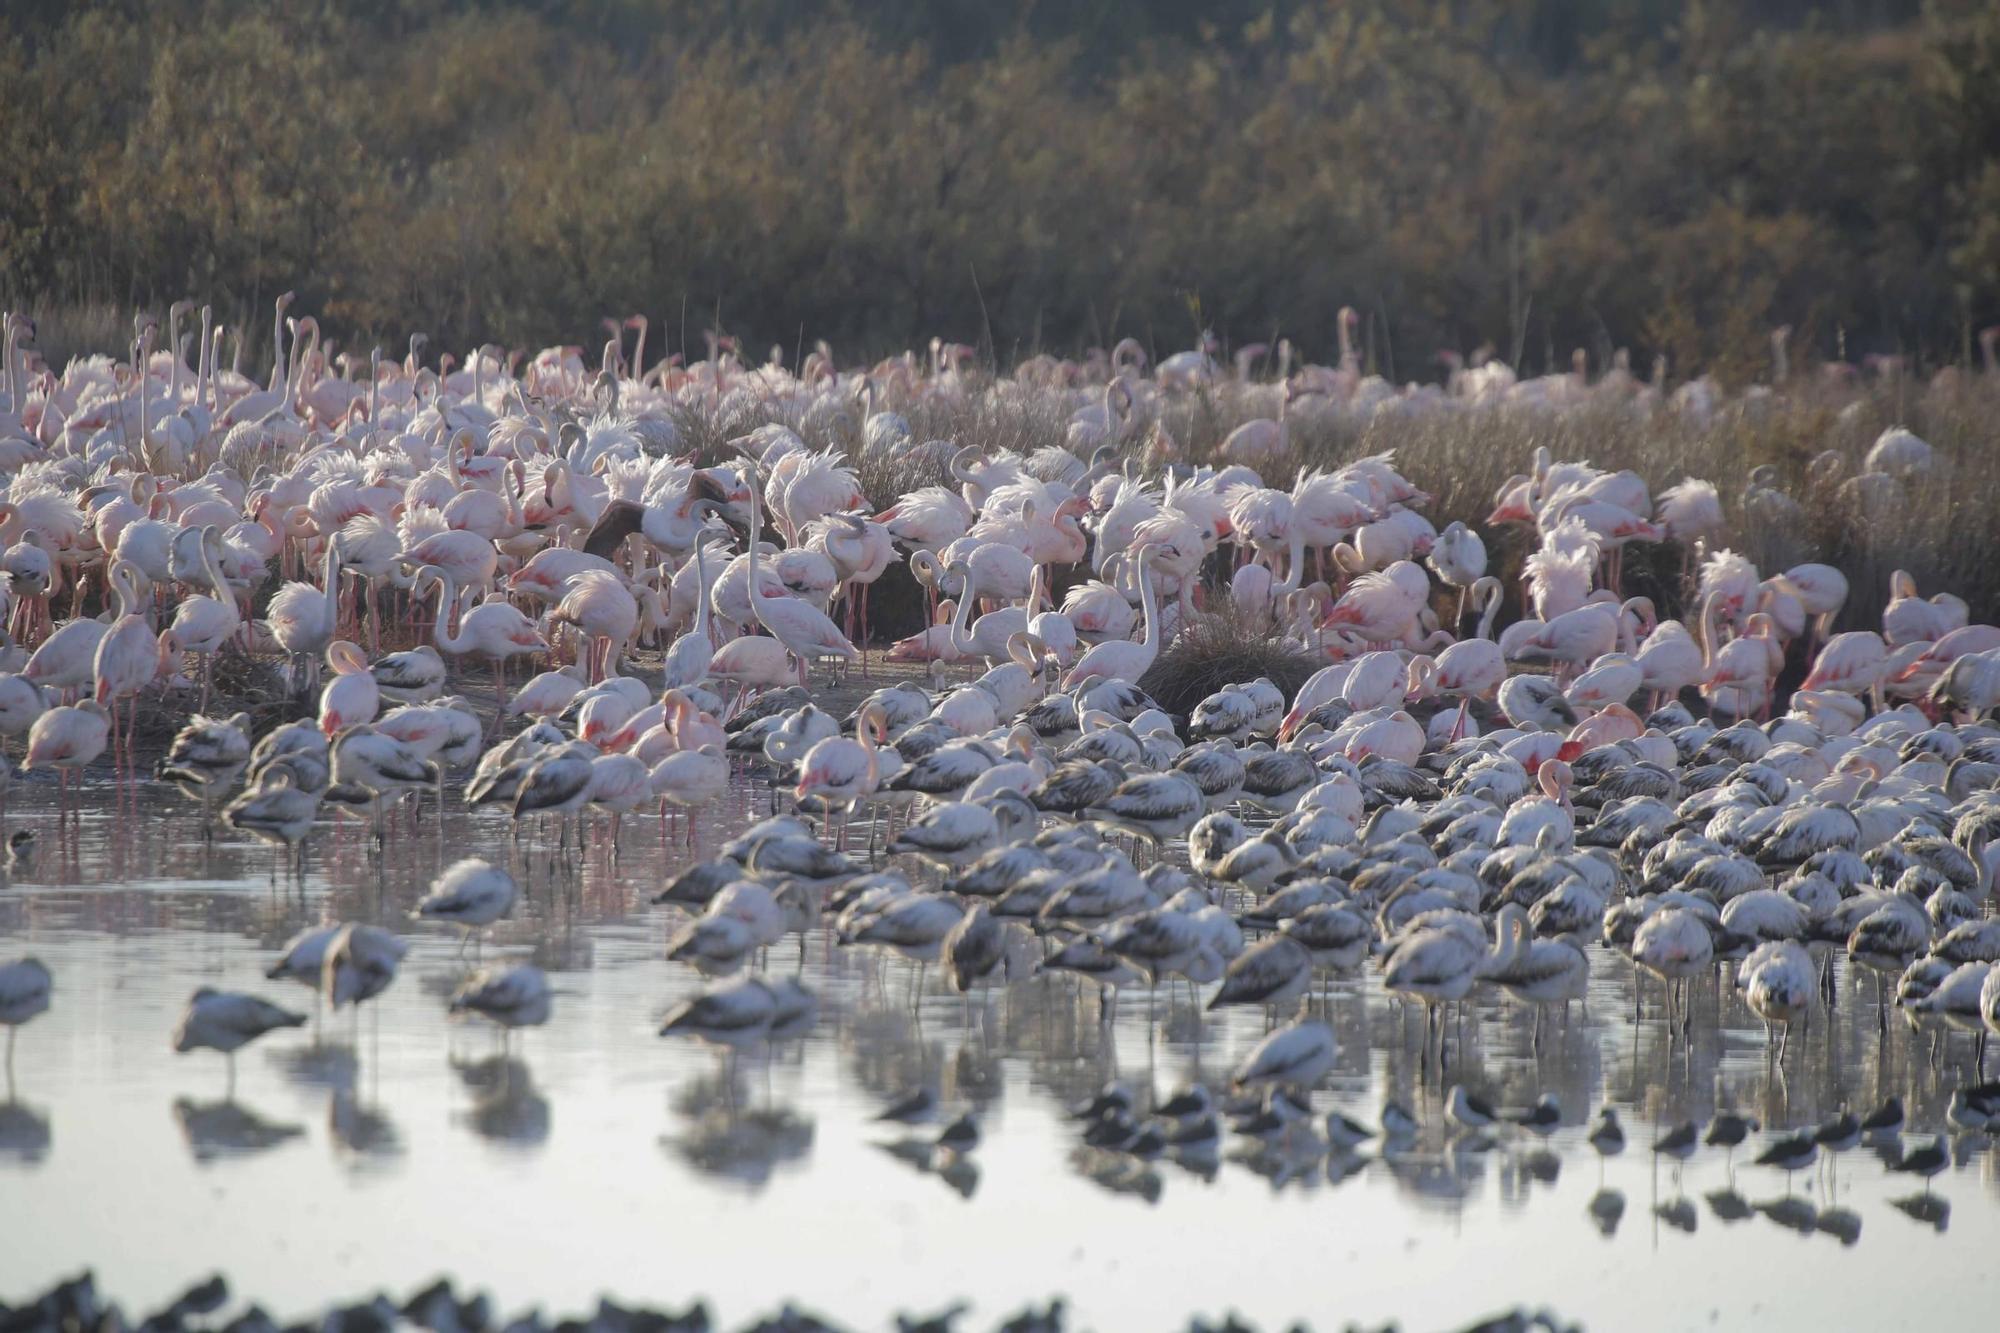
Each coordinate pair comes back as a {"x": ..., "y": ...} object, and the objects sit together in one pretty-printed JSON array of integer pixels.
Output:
[
  {"x": 447, "y": 596},
  {"x": 329, "y": 576},
  {"x": 701, "y": 610},
  {"x": 1296, "y": 557},
  {"x": 1494, "y": 596},
  {"x": 1149, "y": 602},
  {"x": 961, "y": 623},
  {"x": 757, "y": 592},
  {"x": 212, "y": 570},
  {"x": 1709, "y": 629}
]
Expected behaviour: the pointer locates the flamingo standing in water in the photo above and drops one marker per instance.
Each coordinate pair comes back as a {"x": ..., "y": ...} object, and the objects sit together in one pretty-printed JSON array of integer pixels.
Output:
[
  {"x": 842, "y": 770},
  {"x": 690, "y": 779},
  {"x": 68, "y": 739},
  {"x": 805, "y": 630},
  {"x": 493, "y": 630},
  {"x": 304, "y": 619},
  {"x": 128, "y": 657},
  {"x": 604, "y": 610}
]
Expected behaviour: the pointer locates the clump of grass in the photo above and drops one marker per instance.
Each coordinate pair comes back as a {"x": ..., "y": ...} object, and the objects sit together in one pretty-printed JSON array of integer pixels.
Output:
[
  {"x": 1937, "y": 526},
  {"x": 1221, "y": 648},
  {"x": 238, "y": 683},
  {"x": 65, "y": 331}
]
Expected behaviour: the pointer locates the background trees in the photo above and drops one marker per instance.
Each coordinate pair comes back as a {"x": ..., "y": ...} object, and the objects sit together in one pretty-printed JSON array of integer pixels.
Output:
[{"x": 1675, "y": 178}]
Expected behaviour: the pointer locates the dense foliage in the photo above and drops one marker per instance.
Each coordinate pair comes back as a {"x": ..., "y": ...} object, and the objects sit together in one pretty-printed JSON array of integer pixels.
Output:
[{"x": 1541, "y": 175}]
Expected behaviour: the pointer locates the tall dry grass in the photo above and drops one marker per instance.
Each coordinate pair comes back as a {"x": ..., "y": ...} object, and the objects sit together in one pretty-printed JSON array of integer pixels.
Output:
[
  {"x": 1944, "y": 527},
  {"x": 65, "y": 331}
]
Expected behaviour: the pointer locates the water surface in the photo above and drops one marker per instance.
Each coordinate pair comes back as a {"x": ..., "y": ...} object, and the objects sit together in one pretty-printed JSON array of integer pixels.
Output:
[{"x": 592, "y": 1156}]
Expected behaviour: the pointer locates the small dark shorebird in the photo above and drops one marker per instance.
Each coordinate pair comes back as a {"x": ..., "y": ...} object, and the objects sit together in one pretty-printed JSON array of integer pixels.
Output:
[
  {"x": 1926, "y": 1161},
  {"x": 1607, "y": 1135},
  {"x": 1885, "y": 1119},
  {"x": 1792, "y": 1153},
  {"x": 960, "y": 1136},
  {"x": 1544, "y": 1116},
  {"x": 1678, "y": 1142},
  {"x": 1469, "y": 1109},
  {"x": 1840, "y": 1133},
  {"x": 1728, "y": 1131}
]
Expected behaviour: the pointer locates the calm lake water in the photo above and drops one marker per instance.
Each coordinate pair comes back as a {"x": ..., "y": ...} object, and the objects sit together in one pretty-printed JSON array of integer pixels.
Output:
[{"x": 596, "y": 1157}]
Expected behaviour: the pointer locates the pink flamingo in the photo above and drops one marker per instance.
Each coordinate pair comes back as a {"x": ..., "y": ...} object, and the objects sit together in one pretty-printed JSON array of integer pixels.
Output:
[
  {"x": 1382, "y": 606},
  {"x": 303, "y": 618},
  {"x": 493, "y": 630},
  {"x": 804, "y": 630},
  {"x": 604, "y": 610},
  {"x": 352, "y": 696},
  {"x": 67, "y": 739},
  {"x": 1122, "y": 659},
  {"x": 1850, "y": 663}
]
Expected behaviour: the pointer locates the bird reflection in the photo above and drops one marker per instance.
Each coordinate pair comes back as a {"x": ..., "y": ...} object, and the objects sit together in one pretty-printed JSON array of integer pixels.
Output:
[
  {"x": 722, "y": 1140},
  {"x": 1342, "y": 1164},
  {"x": 1930, "y": 1209},
  {"x": 1607, "y": 1209},
  {"x": 1678, "y": 1214},
  {"x": 217, "y": 1131},
  {"x": 1445, "y": 1178},
  {"x": 1791, "y": 1212},
  {"x": 1282, "y": 1161},
  {"x": 976, "y": 1074},
  {"x": 958, "y": 1171},
  {"x": 1116, "y": 1173},
  {"x": 323, "y": 1064},
  {"x": 365, "y": 1132},
  {"x": 1843, "y": 1224},
  {"x": 961, "y": 1173},
  {"x": 1728, "y": 1205},
  {"x": 506, "y": 1107},
  {"x": 24, "y": 1133}
]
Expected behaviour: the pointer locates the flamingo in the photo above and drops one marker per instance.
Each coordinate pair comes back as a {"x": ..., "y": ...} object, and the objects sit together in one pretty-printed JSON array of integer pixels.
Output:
[
  {"x": 805, "y": 631},
  {"x": 1674, "y": 944},
  {"x": 227, "y": 1021},
  {"x": 691, "y": 779},
  {"x": 203, "y": 624},
  {"x": 69, "y": 739},
  {"x": 687, "y": 660},
  {"x": 352, "y": 696},
  {"x": 840, "y": 770},
  {"x": 303, "y": 619},
  {"x": 1459, "y": 558},
  {"x": 1381, "y": 606},
  {"x": 1122, "y": 659},
  {"x": 493, "y": 630},
  {"x": 1439, "y": 964},
  {"x": 1850, "y": 663},
  {"x": 472, "y": 894},
  {"x": 603, "y": 609},
  {"x": 512, "y": 997},
  {"x": 1778, "y": 982}
]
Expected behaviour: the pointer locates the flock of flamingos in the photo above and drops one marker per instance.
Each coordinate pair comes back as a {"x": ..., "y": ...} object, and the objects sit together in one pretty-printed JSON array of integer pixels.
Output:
[{"x": 1448, "y": 807}]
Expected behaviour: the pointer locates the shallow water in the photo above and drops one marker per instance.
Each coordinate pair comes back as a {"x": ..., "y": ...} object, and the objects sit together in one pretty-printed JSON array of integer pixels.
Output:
[{"x": 596, "y": 1157}]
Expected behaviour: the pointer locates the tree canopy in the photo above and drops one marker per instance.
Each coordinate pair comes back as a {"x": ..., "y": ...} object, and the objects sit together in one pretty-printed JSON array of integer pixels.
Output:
[{"x": 1674, "y": 177}]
